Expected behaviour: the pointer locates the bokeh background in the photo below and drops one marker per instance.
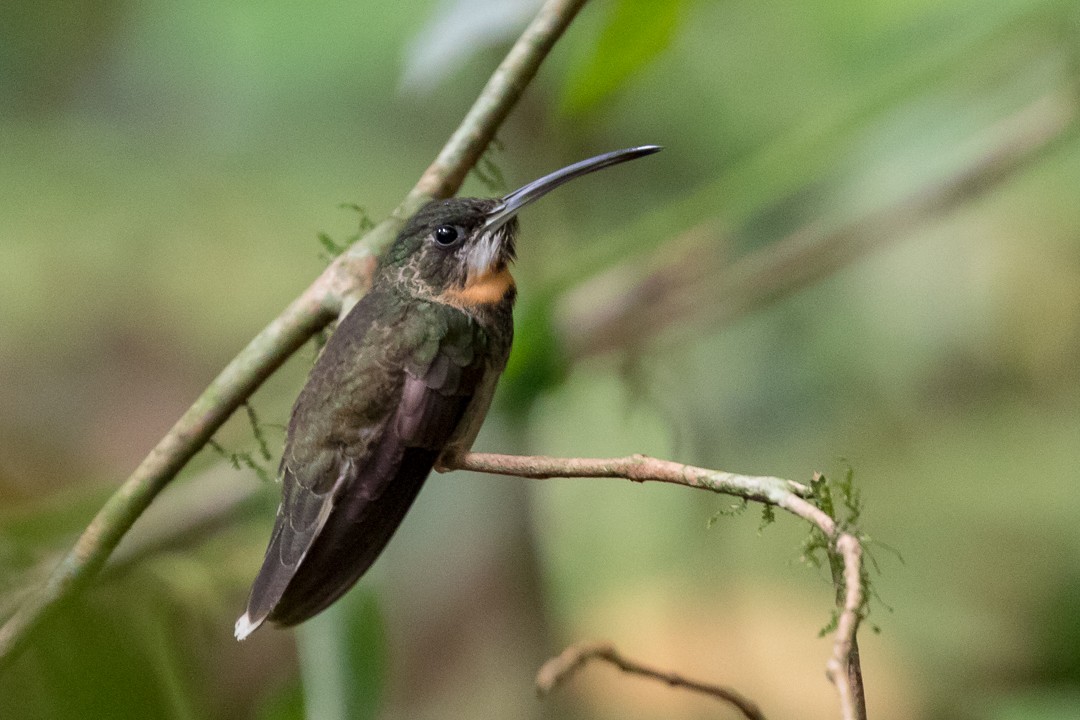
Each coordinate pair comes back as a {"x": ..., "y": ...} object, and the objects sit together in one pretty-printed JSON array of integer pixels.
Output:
[{"x": 166, "y": 169}]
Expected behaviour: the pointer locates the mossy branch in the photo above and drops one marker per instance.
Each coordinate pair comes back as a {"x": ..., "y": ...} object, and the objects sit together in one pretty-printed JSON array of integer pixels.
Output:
[
  {"x": 843, "y": 664},
  {"x": 347, "y": 277}
]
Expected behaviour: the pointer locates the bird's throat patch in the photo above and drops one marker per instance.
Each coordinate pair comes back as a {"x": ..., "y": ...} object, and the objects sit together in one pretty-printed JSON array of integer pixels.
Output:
[{"x": 486, "y": 289}]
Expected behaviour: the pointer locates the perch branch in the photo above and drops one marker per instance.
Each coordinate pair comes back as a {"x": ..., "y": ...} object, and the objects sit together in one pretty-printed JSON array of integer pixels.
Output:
[
  {"x": 561, "y": 667},
  {"x": 348, "y": 276},
  {"x": 842, "y": 667}
]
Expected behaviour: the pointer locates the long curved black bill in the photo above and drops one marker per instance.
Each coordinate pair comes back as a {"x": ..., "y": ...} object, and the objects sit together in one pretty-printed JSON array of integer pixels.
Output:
[{"x": 512, "y": 203}]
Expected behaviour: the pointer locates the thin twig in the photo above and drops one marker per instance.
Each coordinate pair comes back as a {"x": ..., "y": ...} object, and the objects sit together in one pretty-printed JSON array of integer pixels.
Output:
[
  {"x": 843, "y": 665},
  {"x": 573, "y": 658},
  {"x": 347, "y": 277}
]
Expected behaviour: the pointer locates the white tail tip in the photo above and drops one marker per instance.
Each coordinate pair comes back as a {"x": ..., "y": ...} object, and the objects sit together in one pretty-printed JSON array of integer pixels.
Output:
[{"x": 245, "y": 627}]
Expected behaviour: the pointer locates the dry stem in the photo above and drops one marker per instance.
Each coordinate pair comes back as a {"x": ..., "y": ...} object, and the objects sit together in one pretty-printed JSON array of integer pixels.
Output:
[{"x": 561, "y": 667}]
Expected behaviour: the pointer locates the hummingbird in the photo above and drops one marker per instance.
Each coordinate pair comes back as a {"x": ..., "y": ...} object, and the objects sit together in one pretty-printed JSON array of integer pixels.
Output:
[{"x": 400, "y": 387}]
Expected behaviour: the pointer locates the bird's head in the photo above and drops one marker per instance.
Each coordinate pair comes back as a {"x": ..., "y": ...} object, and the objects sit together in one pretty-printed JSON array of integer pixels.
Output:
[{"x": 459, "y": 251}]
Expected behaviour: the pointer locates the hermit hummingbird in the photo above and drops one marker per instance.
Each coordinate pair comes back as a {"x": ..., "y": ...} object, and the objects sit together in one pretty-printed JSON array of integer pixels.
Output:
[{"x": 402, "y": 385}]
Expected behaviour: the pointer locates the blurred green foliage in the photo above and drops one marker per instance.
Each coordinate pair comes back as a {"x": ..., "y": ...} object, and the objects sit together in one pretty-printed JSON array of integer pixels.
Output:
[
  {"x": 167, "y": 172},
  {"x": 637, "y": 31}
]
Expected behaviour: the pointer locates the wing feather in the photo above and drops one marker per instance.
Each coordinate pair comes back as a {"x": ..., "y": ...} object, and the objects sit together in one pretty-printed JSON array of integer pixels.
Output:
[{"x": 327, "y": 534}]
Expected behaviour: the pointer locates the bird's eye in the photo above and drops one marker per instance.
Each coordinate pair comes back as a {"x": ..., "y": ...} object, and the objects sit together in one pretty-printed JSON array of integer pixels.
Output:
[{"x": 447, "y": 235}]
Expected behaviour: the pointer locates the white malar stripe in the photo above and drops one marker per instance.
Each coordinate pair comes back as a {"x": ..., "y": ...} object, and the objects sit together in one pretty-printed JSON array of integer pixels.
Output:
[{"x": 485, "y": 252}]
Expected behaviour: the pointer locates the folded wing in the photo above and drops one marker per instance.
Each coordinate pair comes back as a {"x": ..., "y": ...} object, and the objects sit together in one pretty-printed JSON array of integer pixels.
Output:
[{"x": 344, "y": 496}]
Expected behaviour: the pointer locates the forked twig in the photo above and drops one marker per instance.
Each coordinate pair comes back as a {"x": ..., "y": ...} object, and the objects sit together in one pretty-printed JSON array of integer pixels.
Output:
[{"x": 573, "y": 658}]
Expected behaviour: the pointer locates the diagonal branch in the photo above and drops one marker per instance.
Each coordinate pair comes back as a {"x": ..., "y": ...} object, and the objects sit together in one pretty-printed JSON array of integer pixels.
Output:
[
  {"x": 348, "y": 276},
  {"x": 562, "y": 666},
  {"x": 843, "y": 665},
  {"x": 690, "y": 283}
]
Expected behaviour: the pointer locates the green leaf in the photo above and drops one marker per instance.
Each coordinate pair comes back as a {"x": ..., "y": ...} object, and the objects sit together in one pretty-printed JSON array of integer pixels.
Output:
[
  {"x": 77, "y": 667},
  {"x": 343, "y": 659},
  {"x": 537, "y": 362},
  {"x": 637, "y": 31}
]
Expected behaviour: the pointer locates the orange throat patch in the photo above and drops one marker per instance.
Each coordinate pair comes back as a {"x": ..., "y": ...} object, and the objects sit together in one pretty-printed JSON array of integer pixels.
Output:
[{"x": 487, "y": 289}]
